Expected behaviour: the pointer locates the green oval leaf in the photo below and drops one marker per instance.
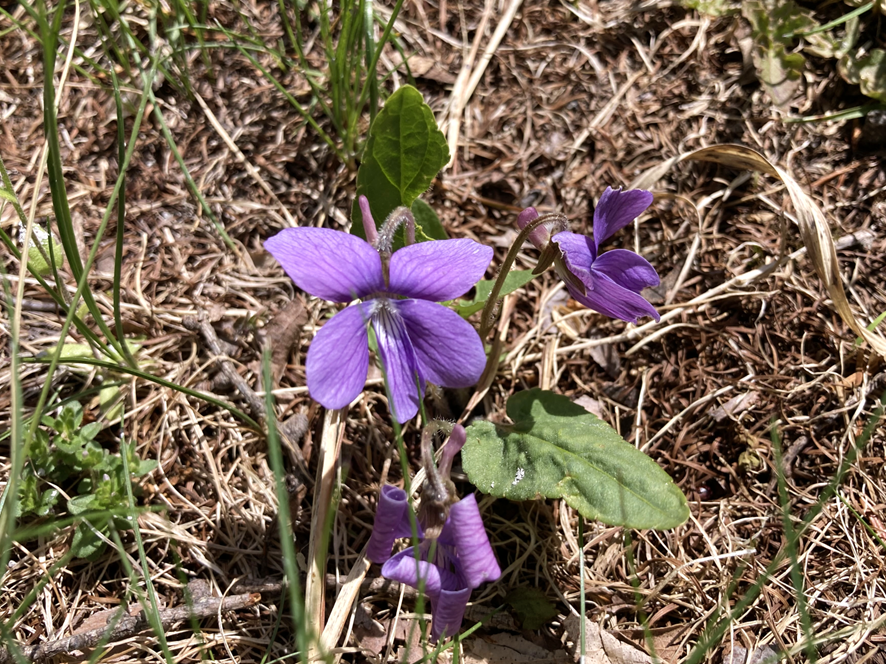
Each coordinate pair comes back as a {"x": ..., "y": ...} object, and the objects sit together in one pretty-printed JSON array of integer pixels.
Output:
[
  {"x": 556, "y": 449},
  {"x": 403, "y": 155},
  {"x": 515, "y": 279}
]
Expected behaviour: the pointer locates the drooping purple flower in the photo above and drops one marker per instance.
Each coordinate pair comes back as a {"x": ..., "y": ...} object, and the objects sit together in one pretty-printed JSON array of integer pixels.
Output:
[
  {"x": 609, "y": 283},
  {"x": 463, "y": 558},
  {"x": 418, "y": 340}
]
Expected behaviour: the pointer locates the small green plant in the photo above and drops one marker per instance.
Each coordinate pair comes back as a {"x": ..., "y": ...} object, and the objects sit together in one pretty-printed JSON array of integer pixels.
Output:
[
  {"x": 65, "y": 459},
  {"x": 783, "y": 31},
  {"x": 351, "y": 83}
]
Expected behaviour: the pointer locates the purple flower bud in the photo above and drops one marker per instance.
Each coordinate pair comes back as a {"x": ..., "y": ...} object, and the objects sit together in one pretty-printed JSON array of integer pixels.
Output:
[
  {"x": 369, "y": 228},
  {"x": 541, "y": 236}
]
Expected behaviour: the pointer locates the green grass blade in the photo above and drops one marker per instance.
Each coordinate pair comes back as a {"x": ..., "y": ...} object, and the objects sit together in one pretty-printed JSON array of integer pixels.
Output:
[
  {"x": 139, "y": 373},
  {"x": 121, "y": 223},
  {"x": 792, "y": 545},
  {"x": 189, "y": 180},
  {"x": 284, "y": 518},
  {"x": 718, "y": 626},
  {"x": 370, "y": 73},
  {"x": 154, "y": 605},
  {"x": 9, "y": 498},
  {"x": 49, "y": 34},
  {"x": 298, "y": 107},
  {"x": 82, "y": 280},
  {"x": 858, "y": 11}
]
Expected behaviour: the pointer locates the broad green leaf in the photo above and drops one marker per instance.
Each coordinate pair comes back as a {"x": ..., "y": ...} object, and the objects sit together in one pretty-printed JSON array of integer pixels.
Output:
[
  {"x": 556, "y": 449},
  {"x": 403, "y": 155},
  {"x": 36, "y": 261},
  {"x": 427, "y": 221},
  {"x": 868, "y": 71},
  {"x": 515, "y": 279},
  {"x": 80, "y": 504},
  {"x": 779, "y": 72},
  {"x": 532, "y": 608},
  {"x": 86, "y": 544},
  {"x": 91, "y": 430},
  {"x": 409, "y": 148},
  {"x": 111, "y": 402}
]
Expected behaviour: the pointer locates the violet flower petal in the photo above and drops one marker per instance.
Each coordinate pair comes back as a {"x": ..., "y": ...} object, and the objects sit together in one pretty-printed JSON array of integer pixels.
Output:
[
  {"x": 627, "y": 269},
  {"x": 338, "y": 358},
  {"x": 579, "y": 254},
  {"x": 449, "y": 350},
  {"x": 399, "y": 363},
  {"x": 616, "y": 210},
  {"x": 448, "y": 610},
  {"x": 475, "y": 555},
  {"x": 328, "y": 264},
  {"x": 438, "y": 270},
  {"x": 389, "y": 521},
  {"x": 610, "y": 299},
  {"x": 403, "y": 567}
]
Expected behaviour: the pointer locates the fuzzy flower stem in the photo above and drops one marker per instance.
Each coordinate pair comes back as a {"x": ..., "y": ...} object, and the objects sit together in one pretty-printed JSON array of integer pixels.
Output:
[
  {"x": 438, "y": 492},
  {"x": 489, "y": 309},
  {"x": 400, "y": 216}
]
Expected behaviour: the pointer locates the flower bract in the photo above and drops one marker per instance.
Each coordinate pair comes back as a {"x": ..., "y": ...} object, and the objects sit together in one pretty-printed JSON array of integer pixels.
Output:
[
  {"x": 447, "y": 569},
  {"x": 609, "y": 283},
  {"x": 418, "y": 340}
]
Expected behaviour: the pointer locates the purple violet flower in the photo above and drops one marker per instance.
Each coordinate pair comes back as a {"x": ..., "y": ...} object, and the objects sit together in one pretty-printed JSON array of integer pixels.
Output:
[
  {"x": 418, "y": 340},
  {"x": 609, "y": 283},
  {"x": 452, "y": 532},
  {"x": 463, "y": 558}
]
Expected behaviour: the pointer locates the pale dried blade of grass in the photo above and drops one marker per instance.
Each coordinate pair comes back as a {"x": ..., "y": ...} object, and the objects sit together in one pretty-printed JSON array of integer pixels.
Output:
[
  {"x": 814, "y": 230},
  {"x": 330, "y": 444},
  {"x": 462, "y": 95},
  {"x": 238, "y": 153},
  {"x": 343, "y": 603}
]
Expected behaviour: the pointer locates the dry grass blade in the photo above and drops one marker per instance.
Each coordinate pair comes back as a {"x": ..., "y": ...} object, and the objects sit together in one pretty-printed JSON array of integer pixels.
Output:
[
  {"x": 813, "y": 226},
  {"x": 330, "y": 448},
  {"x": 464, "y": 87}
]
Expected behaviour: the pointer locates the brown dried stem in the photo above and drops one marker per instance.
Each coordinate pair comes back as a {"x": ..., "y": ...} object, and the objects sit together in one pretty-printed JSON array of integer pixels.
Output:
[{"x": 115, "y": 627}]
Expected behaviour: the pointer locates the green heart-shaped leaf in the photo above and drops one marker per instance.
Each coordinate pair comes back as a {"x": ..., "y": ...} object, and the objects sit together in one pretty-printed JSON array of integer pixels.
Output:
[
  {"x": 556, "y": 449},
  {"x": 403, "y": 155}
]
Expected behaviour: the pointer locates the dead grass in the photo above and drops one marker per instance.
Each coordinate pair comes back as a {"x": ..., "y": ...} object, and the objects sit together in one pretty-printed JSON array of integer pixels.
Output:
[{"x": 577, "y": 97}]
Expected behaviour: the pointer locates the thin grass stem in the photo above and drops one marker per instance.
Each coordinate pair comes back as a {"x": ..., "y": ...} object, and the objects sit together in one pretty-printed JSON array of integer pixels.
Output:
[
  {"x": 139, "y": 373},
  {"x": 284, "y": 518}
]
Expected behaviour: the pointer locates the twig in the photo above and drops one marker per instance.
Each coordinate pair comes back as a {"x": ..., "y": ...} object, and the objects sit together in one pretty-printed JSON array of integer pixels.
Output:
[
  {"x": 292, "y": 430},
  {"x": 787, "y": 461},
  {"x": 128, "y": 625},
  {"x": 204, "y": 327}
]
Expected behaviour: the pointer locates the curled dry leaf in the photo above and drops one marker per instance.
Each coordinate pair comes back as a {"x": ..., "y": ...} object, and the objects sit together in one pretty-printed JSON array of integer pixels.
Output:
[
  {"x": 505, "y": 648},
  {"x": 814, "y": 230},
  {"x": 601, "y": 647}
]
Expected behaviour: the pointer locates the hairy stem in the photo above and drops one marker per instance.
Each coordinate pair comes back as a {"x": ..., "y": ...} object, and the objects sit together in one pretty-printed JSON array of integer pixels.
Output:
[
  {"x": 437, "y": 493},
  {"x": 494, "y": 296}
]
